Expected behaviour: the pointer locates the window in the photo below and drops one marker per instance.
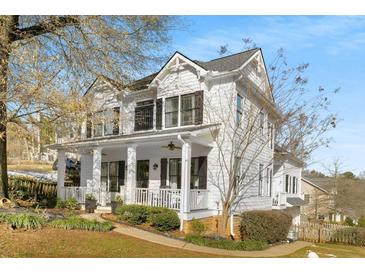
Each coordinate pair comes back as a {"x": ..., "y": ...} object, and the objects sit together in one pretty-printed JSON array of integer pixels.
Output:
[
  {"x": 295, "y": 185},
  {"x": 98, "y": 124},
  {"x": 287, "y": 183},
  {"x": 171, "y": 111},
  {"x": 188, "y": 109},
  {"x": 143, "y": 115},
  {"x": 262, "y": 121},
  {"x": 143, "y": 173},
  {"x": 239, "y": 110},
  {"x": 175, "y": 173},
  {"x": 268, "y": 181},
  {"x": 112, "y": 177},
  {"x": 270, "y": 134},
  {"x": 194, "y": 183},
  {"x": 108, "y": 122},
  {"x": 261, "y": 167}
]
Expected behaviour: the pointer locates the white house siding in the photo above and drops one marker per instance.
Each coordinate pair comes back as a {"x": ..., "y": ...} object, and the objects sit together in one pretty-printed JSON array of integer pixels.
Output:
[
  {"x": 286, "y": 168},
  {"x": 86, "y": 168}
]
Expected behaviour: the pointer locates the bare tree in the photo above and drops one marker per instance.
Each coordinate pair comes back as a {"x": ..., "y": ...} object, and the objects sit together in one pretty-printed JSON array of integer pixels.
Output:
[
  {"x": 297, "y": 117},
  {"x": 47, "y": 62}
]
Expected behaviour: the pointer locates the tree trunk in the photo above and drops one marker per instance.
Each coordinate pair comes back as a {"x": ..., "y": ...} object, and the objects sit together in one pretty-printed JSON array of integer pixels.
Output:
[
  {"x": 223, "y": 221},
  {"x": 6, "y": 23}
]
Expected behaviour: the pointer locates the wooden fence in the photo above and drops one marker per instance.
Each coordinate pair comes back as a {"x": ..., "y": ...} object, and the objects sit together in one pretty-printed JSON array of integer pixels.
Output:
[
  {"x": 322, "y": 233},
  {"x": 34, "y": 187}
]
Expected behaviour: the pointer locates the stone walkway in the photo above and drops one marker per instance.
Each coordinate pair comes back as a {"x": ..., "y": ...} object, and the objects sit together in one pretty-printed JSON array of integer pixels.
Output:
[{"x": 275, "y": 251}]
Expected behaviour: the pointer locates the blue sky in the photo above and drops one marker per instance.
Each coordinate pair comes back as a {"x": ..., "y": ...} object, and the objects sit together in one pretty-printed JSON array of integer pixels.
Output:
[{"x": 333, "y": 45}]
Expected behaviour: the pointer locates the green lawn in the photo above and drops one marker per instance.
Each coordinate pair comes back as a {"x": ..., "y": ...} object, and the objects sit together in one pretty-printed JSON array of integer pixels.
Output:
[
  {"x": 57, "y": 243},
  {"x": 330, "y": 251}
]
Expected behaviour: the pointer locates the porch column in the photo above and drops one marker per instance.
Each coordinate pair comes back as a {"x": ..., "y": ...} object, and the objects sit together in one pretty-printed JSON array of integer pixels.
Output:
[
  {"x": 61, "y": 168},
  {"x": 185, "y": 178},
  {"x": 131, "y": 173},
  {"x": 95, "y": 183}
]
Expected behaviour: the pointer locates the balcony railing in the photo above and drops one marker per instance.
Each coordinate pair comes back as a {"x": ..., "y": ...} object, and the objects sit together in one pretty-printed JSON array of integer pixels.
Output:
[
  {"x": 198, "y": 199},
  {"x": 279, "y": 199}
]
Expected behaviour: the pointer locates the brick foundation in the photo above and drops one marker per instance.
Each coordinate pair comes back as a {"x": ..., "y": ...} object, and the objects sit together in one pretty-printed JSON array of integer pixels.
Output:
[{"x": 211, "y": 225}]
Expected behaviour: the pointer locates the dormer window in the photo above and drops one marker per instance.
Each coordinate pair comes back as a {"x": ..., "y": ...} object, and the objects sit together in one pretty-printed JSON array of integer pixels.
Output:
[{"x": 103, "y": 123}]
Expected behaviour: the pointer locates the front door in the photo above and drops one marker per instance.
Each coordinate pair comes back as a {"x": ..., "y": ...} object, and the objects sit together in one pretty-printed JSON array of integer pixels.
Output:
[{"x": 143, "y": 173}]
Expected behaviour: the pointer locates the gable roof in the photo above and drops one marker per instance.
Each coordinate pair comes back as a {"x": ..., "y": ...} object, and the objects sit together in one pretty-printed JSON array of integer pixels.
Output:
[
  {"x": 228, "y": 63},
  {"x": 323, "y": 184}
]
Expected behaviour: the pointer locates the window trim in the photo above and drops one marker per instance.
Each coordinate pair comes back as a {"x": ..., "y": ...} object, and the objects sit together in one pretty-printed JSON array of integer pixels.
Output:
[{"x": 261, "y": 170}]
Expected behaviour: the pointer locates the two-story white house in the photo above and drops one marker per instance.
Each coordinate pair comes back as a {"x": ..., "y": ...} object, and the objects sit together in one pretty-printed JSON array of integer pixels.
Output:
[{"x": 156, "y": 141}]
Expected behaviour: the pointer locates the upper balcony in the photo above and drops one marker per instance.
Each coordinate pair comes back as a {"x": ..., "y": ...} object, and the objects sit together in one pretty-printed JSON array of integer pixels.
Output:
[{"x": 282, "y": 200}]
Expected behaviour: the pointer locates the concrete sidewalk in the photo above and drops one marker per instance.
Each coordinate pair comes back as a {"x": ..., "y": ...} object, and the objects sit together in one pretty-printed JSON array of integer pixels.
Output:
[{"x": 275, "y": 251}]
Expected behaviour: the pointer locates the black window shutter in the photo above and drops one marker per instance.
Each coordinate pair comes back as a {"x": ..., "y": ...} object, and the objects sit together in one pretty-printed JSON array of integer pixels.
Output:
[
  {"x": 116, "y": 117},
  {"x": 199, "y": 99},
  {"x": 163, "y": 173},
  {"x": 121, "y": 174},
  {"x": 159, "y": 113},
  {"x": 203, "y": 172},
  {"x": 88, "y": 126}
]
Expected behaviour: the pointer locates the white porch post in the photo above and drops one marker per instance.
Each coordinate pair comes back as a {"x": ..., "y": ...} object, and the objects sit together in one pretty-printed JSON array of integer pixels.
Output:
[
  {"x": 95, "y": 183},
  {"x": 131, "y": 173},
  {"x": 61, "y": 168},
  {"x": 185, "y": 179}
]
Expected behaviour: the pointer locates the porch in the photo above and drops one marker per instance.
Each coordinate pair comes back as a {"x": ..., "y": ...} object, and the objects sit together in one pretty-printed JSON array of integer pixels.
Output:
[{"x": 162, "y": 171}]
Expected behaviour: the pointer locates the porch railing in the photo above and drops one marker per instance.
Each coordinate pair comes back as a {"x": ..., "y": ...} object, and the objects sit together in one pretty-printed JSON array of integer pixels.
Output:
[
  {"x": 169, "y": 198},
  {"x": 279, "y": 199},
  {"x": 77, "y": 193},
  {"x": 198, "y": 199}
]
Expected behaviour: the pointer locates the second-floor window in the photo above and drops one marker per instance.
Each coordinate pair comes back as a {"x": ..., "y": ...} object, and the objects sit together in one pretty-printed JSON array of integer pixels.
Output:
[
  {"x": 295, "y": 185},
  {"x": 287, "y": 183},
  {"x": 270, "y": 134},
  {"x": 172, "y": 112},
  {"x": 239, "y": 110},
  {"x": 103, "y": 123},
  {"x": 143, "y": 115},
  {"x": 262, "y": 121}
]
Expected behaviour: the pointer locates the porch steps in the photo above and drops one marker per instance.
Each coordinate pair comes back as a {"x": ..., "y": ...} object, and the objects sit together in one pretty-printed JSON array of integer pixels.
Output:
[{"x": 103, "y": 209}]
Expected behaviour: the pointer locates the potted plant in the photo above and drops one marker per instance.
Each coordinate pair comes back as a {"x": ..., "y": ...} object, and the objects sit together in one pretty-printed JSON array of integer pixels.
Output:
[
  {"x": 90, "y": 203},
  {"x": 117, "y": 202}
]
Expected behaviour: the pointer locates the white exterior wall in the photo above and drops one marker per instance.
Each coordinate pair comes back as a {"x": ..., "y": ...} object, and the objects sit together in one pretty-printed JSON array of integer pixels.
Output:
[
  {"x": 219, "y": 100},
  {"x": 86, "y": 168}
]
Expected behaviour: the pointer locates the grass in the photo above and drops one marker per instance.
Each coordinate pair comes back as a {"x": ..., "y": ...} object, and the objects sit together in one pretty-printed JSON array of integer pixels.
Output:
[
  {"x": 58, "y": 243},
  {"x": 76, "y": 222},
  {"x": 36, "y": 167},
  {"x": 330, "y": 251}
]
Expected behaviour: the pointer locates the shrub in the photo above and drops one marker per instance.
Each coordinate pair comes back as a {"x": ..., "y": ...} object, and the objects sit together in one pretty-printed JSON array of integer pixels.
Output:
[
  {"x": 75, "y": 222},
  {"x": 133, "y": 214},
  {"x": 197, "y": 227},
  {"x": 348, "y": 221},
  {"x": 361, "y": 221},
  {"x": 268, "y": 226},
  {"x": 90, "y": 196},
  {"x": 70, "y": 203},
  {"x": 248, "y": 245},
  {"x": 165, "y": 221},
  {"x": 351, "y": 235},
  {"x": 24, "y": 220}
]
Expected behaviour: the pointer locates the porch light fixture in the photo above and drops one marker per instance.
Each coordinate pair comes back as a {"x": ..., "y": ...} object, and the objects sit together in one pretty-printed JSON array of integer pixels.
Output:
[{"x": 155, "y": 166}]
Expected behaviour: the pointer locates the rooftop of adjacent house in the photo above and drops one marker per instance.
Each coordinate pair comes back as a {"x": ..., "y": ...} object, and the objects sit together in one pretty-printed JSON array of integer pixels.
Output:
[
  {"x": 324, "y": 183},
  {"x": 226, "y": 63}
]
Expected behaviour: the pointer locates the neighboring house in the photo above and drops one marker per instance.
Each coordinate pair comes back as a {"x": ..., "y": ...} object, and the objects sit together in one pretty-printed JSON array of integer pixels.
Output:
[
  {"x": 155, "y": 142},
  {"x": 287, "y": 184},
  {"x": 319, "y": 193}
]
